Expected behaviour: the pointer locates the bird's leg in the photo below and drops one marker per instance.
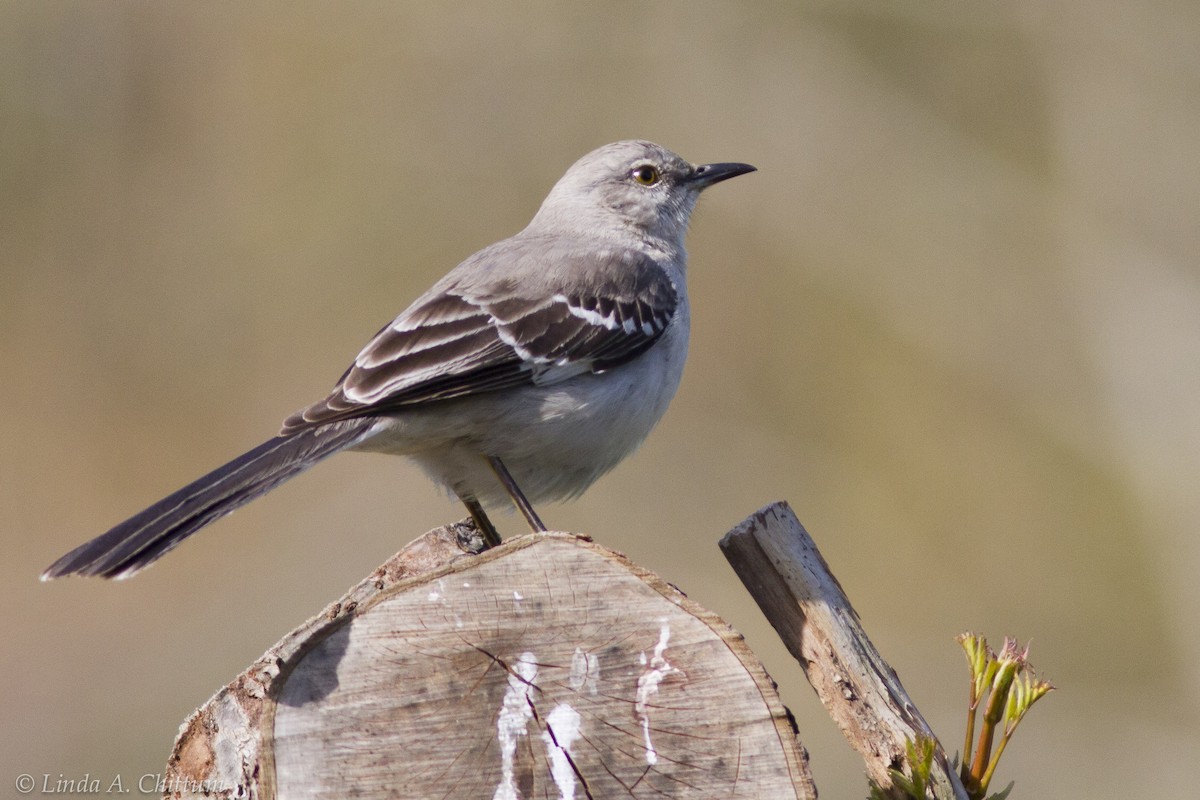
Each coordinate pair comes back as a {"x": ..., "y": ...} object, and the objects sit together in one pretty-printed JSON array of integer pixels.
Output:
[
  {"x": 491, "y": 537},
  {"x": 514, "y": 491}
]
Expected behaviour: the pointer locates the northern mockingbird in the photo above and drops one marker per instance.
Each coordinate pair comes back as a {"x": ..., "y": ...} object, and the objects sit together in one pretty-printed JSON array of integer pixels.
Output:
[{"x": 526, "y": 373}]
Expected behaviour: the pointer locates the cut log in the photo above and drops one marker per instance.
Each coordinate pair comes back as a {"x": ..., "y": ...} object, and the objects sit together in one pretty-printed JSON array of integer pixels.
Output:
[{"x": 548, "y": 667}]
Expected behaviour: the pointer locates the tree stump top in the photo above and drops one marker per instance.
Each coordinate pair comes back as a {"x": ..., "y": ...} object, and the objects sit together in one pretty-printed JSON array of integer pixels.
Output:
[{"x": 549, "y": 667}]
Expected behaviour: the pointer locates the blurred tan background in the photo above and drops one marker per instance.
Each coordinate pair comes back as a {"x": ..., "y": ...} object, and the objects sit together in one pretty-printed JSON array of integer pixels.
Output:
[{"x": 954, "y": 320}]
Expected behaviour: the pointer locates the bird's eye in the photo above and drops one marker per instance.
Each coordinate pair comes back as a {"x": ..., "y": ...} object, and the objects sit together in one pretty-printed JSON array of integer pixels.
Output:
[{"x": 646, "y": 174}]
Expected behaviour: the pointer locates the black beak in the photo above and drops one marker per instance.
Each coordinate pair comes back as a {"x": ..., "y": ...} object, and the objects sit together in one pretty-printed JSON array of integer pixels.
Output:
[{"x": 706, "y": 175}]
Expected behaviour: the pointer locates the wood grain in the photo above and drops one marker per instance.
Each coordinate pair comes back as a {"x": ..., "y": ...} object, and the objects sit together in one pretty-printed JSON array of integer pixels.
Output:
[{"x": 549, "y": 667}]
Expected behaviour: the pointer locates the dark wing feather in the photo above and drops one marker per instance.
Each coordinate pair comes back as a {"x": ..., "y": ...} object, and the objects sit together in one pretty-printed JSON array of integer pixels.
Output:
[{"x": 459, "y": 342}]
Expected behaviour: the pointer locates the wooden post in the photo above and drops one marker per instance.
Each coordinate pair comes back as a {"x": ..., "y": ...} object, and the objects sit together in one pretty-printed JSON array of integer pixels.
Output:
[
  {"x": 548, "y": 667},
  {"x": 781, "y": 567}
]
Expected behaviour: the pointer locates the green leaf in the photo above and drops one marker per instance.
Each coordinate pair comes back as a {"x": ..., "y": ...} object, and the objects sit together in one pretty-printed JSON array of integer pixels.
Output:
[{"x": 1001, "y": 795}]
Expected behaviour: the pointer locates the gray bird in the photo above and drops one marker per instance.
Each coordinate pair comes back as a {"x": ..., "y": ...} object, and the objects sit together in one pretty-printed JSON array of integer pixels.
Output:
[{"x": 526, "y": 373}]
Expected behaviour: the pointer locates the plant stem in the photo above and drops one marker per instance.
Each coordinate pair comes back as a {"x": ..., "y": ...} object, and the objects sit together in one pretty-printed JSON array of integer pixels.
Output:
[
  {"x": 983, "y": 751},
  {"x": 987, "y": 776},
  {"x": 966, "y": 751},
  {"x": 992, "y": 716}
]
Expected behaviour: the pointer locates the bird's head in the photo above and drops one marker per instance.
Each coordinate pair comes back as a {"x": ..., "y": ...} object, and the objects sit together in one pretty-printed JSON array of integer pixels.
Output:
[{"x": 631, "y": 186}]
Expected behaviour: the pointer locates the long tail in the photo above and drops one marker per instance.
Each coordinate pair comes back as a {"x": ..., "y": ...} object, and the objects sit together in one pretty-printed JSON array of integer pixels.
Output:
[{"x": 144, "y": 538}]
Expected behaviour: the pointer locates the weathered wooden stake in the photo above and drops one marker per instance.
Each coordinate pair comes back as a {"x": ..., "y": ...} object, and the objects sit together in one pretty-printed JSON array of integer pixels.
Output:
[{"x": 781, "y": 567}]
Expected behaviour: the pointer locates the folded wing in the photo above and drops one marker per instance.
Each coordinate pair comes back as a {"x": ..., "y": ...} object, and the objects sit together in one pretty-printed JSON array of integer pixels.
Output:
[{"x": 457, "y": 342}]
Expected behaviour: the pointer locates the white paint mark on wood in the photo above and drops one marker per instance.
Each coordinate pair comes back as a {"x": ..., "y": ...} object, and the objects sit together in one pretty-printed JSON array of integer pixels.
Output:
[
  {"x": 562, "y": 730},
  {"x": 585, "y": 671},
  {"x": 511, "y": 723},
  {"x": 659, "y": 669}
]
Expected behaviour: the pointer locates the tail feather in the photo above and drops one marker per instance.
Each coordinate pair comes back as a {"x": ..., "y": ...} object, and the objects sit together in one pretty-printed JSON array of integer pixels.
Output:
[{"x": 147, "y": 536}]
